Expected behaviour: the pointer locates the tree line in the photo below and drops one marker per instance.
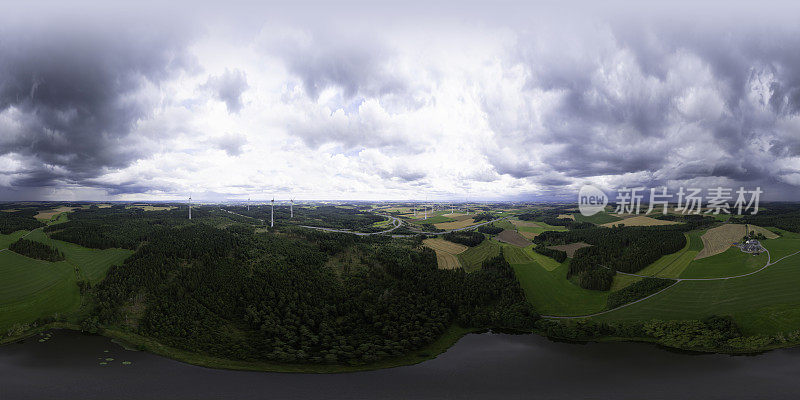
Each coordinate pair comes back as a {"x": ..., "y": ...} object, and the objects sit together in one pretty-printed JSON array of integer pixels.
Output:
[
  {"x": 22, "y": 220},
  {"x": 626, "y": 249},
  {"x": 37, "y": 250},
  {"x": 467, "y": 238}
]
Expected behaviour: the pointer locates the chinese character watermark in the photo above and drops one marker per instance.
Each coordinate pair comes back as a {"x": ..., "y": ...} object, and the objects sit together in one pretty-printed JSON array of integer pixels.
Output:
[{"x": 717, "y": 200}]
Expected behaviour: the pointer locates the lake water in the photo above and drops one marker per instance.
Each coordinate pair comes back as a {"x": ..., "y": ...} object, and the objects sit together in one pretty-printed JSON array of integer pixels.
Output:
[{"x": 484, "y": 366}]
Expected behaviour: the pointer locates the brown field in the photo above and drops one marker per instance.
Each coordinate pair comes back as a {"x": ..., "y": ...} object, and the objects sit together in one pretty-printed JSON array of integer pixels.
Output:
[
  {"x": 719, "y": 239},
  {"x": 640, "y": 220},
  {"x": 566, "y": 216},
  {"x": 458, "y": 217},
  {"x": 445, "y": 252},
  {"x": 47, "y": 214},
  {"x": 571, "y": 248},
  {"x": 444, "y": 245},
  {"x": 517, "y": 222},
  {"x": 9, "y": 210},
  {"x": 529, "y": 235},
  {"x": 766, "y": 232},
  {"x": 455, "y": 225},
  {"x": 512, "y": 237}
]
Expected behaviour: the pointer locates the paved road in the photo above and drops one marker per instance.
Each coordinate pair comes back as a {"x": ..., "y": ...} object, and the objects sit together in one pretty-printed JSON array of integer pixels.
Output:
[{"x": 677, "y": 281}]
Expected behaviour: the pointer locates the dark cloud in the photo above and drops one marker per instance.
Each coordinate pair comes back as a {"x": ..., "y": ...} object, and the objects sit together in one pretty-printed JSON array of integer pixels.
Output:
[
  {"x": 231, "y": 143},
  {"x": 620, "y": 104},
  {"x": 71, "y": 98},
  {"x": 228, "y": 88},
  {"x": 354, "y": 63}
]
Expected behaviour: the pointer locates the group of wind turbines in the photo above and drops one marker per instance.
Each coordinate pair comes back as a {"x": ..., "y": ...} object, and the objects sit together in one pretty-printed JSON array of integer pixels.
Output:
[{"x": 271, "y": 209}]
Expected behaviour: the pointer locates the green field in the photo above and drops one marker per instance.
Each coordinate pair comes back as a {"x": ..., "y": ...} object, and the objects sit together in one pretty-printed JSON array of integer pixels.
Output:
[
  {"x": 766, "y": 302},
  {"x": 546, "y": 262},
  {"x": 597, "y": 219},
  {"x": 31, "y": 289},
  {"x": 673, "y": 265},
  {"x": 788, "y": 243},
  {"x": 6, "y": 240},
  {"x": 434, "y": 220},
  {"x": 473, "y": 257},
  {"x": 730, "y": 263},
  {"x": 621, "y": 281},
  {"x": 515, "y": 255},
  {"x": 92, "y": 264},
  {"x": 505, "y": 224},
  {"x": 551, "y": 293}
]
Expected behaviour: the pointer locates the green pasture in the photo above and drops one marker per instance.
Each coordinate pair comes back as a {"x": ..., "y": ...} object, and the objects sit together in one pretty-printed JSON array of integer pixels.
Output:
[
  {"x": 766, "y": 302},
  {"x": 551, "y": 293},
  {"x": 472, "y": 258}
]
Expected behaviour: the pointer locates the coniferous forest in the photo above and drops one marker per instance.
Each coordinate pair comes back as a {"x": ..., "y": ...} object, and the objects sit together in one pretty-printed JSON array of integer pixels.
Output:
[
  {"x": 282, "y": 295},
  {"x": 37, "y": 250}
]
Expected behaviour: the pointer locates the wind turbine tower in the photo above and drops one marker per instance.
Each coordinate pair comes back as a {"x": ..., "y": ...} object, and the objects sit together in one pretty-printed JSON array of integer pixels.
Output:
[
  {"x": 190, "y": 206},
  {"x": 248, "y": 203},
  {"x": 272, "y": 213},
  {"x": 291, "y": 208}
]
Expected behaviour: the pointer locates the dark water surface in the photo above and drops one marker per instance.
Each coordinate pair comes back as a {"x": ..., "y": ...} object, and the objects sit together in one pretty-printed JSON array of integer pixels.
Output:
[{"x": 485, "y": 366}]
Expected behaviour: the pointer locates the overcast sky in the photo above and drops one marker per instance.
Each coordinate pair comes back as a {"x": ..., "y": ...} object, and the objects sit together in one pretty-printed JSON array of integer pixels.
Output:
[{"x": 389, "y": 101}]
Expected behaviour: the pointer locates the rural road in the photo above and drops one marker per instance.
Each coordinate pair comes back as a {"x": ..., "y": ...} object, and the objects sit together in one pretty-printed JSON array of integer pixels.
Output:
[
  {"x": 678, "y": 280},
  {"x": 2, "y": 250}
]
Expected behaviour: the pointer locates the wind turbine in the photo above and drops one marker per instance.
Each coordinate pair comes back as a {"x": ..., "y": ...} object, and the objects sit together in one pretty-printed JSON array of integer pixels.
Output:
[
  {"x": 190, "y": 206},
  {"x": 425, "y": 207},
  {"x": 291, "y": 208},
  {"x": 248, "y": 203},
  {"x": 272, "y": 213}
]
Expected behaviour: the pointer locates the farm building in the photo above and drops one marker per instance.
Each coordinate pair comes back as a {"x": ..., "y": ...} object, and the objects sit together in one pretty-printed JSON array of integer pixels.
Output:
[{"x": 752, "y": 246}]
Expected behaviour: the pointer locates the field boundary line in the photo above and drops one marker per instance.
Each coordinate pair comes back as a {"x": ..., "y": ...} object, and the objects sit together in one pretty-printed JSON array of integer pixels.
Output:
[{"x": 677, "y": 281}]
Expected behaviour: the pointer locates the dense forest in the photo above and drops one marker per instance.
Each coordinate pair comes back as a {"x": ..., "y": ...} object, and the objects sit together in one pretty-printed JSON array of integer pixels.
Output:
[
  {"x": 557, "y": 255},
  {"x": 37, "y": 250},
  {"x": 117, "y": 226},
  {"x": 783, "y": 216},
  {"x": 12, "y": 221},
  {"x": 287, "y": 295},
  {"x": 550, "y": 216},
  {"x": 467, "y": 238},
  {"x": 490, "y": 229},
  {"x": 336, "y": 217},
  {"x": 626, "y": 249}
]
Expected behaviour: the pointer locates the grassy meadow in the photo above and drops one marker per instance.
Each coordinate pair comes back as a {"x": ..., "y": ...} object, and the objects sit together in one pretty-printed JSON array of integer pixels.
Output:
[{"x": 32, "y": 289}]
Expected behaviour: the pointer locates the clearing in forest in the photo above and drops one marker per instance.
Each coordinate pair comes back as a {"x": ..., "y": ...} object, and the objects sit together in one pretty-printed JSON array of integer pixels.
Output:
[
  {"x": 566, "y": 216},
  {"x": 47, "y": 214},
  {"x": 571, "y": 248},
  {"x": 446, "y": 252}
]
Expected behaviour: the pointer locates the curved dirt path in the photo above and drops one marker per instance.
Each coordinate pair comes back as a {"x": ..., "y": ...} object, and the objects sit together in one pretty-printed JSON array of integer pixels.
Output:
[{"x": 677, "y": 281}]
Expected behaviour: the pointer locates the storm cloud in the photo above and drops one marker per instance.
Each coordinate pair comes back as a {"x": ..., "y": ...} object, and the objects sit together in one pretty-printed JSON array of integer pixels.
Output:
[
  {"x": 69, "y": 99},
  {"x": 356, "y": 101}
]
